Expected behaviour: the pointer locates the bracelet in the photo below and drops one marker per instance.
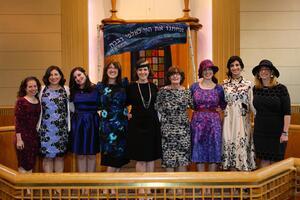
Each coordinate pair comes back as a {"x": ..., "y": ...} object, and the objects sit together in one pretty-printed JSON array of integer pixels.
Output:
[{"x": 285, "y": 133}]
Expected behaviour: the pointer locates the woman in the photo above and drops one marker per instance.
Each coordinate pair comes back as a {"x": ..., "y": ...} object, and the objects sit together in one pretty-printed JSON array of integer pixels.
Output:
[
  {"x": 144, "y": 143},
  {"x": 54, "y": 122},
  {"x": 273, "y": 114},
  {"x": 172, "y": 103},
  {"x": 208, "y": 98},
  {"x": 113, "y": 125},
  {"x": 238, "y": 146},
  {"x": 85, "y": 120},
  {"x": 27, "y": 112}
]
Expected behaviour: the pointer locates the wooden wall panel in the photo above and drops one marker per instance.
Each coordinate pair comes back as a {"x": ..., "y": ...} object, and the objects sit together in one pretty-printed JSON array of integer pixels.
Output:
[
  {"x": 30, "y": 6},
  {"x": 30, "y": 23},
  {"x": 270, "y": 30},
  {"x": 30, "y": 41},
  {"x": 28, "y": 60},
  {"x": 270, "y": 5},
  {"x": 226, "y": 33},
  {"x": 74, "y": 34},
  {"x": 270, "y": 20},
  {"x": 8, "y": 158}
]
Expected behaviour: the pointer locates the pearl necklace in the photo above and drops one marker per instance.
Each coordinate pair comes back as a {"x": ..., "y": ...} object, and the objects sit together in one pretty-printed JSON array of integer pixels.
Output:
[{"x": 145, "y": 104}]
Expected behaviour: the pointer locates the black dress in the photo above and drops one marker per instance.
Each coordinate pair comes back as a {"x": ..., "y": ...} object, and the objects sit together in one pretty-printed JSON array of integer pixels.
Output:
[
  {"x": 271, "y": 105},
  {"x": 144, "y": 139}
]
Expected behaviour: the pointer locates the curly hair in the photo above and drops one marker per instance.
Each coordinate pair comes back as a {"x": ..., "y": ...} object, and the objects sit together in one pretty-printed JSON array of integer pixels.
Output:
[{"x": 22, "y": 89}]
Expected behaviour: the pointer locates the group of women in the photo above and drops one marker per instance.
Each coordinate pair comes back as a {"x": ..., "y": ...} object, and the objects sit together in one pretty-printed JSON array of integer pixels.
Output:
[{"x": 137, "y": 121}]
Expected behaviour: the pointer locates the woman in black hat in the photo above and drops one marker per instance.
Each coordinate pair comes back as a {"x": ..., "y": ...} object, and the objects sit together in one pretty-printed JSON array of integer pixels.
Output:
[
  {"x": 144, "y": 142},
  {"x": 273, "y": 109}
]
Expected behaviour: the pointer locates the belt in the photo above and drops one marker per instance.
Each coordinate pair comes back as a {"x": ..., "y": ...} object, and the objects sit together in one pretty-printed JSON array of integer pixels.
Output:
[{"x": 207, "y": 110}]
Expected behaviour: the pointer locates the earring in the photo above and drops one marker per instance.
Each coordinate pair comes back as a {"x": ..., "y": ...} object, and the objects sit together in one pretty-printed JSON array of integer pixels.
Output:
[{"x": 272, "y": 76}]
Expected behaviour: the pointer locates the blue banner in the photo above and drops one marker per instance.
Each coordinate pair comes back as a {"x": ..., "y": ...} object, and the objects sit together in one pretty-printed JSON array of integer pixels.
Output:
[{"x": 119, "y": 38}]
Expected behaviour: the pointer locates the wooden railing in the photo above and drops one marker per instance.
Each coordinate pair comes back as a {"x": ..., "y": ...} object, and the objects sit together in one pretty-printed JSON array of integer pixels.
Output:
[{"x": 278, "y": 181}]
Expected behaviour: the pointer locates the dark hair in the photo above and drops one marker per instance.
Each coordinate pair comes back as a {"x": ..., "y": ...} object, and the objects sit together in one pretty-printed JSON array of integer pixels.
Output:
[
  {"x": 22, "y": 89},
  {"x": 105, "y": 77},
  {"x": 48, "y": 72},
  {"x": 231, "y": 60},
  {"x": 174, "y": 70},
  {"x": 74, "y": 87},
  {"x": 200, "y": 72},
  {"x": 143, "y": 63}
]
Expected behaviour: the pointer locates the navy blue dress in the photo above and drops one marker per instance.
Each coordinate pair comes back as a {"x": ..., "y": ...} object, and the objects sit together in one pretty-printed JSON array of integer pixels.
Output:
[
  {"x": 85, "y": 123},
  {"x": 113, "y": 125}
]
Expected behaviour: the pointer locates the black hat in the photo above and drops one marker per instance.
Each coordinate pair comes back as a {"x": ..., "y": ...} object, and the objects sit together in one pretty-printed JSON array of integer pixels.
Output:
[
  {"x": 265, "y": 63},
  {"x": 142, "y": 63}
]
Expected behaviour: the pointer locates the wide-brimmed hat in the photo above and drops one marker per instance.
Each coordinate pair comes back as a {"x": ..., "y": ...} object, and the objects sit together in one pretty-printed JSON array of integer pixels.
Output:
[
  {"x": 265, "y": 63},
  {"x": 208, "y": 64}
]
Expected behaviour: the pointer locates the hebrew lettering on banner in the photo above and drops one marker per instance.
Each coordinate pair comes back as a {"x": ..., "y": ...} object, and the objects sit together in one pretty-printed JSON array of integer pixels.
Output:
[{"x": 119, "y": 38}]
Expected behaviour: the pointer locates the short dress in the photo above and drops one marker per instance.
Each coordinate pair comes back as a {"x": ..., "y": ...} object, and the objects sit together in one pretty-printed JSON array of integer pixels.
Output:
[
  {"x": 144, "y": 137},
  {"x": 85, "y": 138},
  {"x": 113, "y": 125},
  {"x": 271, "y": 105},
  {"x": 53, "y": 130},
  {"x": 26, "y": 118},
  {"x": 172, "y": 105},
  {"x": 206, "y": 124}
]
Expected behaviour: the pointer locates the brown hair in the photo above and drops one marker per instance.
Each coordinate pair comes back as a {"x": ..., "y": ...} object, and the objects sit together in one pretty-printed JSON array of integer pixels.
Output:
[
  {"x": 258, "y": 83},
  {"x": 22, "y": 89},
  {"x": 174, "y": 70},
  {"x": 105, "y": 77},
  {"x": 74, "y": 87},
  {"x": 143, "y": 63},
  {"x": 48, "y": 72}
]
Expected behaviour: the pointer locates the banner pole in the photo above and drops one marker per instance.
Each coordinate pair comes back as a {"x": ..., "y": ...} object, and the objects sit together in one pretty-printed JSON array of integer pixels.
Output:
[
  {"x": 98, "y": 50},
  {"x": 192, "y": 57}
]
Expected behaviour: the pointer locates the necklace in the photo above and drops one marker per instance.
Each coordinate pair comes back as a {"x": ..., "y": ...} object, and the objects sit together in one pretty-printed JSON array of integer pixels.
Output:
[{"x": 145, "y": 104}]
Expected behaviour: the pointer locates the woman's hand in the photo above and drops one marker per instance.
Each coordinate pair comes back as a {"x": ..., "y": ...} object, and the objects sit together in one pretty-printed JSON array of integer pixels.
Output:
[
  {"x": 284, "y": 138},
  {"x": 129, "y": 116},
  {"x": 20, "y": 144}
]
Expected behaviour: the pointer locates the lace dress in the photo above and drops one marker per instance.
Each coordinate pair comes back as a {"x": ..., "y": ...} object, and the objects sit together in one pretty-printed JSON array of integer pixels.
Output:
[{"x": 172, "y": 106}]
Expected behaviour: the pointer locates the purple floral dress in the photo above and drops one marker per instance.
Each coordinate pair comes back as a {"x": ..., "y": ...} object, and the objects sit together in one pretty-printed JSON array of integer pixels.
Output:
[{"x": 206, "y": 124}]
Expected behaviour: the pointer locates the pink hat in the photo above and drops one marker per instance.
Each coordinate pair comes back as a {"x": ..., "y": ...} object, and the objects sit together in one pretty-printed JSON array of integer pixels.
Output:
[{"x": 207, "y": 64}]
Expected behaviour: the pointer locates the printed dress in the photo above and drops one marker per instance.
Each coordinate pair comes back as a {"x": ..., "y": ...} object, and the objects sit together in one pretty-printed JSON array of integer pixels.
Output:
[
  {"x": 53, "y": 130},
  {"x": 172, "y": 105},
  {"x": 144, "y": 139},
  {"x": 85, "y": 123},
  {"x": 113, "y": 125},
  {"x": 27, "y": 116},
  {"x": 206, "y": 124},
  {"x": 271, "y": 105},
  {"x": 238, "y": 146}
]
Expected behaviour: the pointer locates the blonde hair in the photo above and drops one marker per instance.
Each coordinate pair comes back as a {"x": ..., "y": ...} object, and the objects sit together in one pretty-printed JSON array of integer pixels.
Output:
[{"x": 259, "y": 84}]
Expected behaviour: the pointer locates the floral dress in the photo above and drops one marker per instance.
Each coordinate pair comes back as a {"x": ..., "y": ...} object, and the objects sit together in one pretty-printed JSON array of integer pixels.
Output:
[
  {"x": 238, "y": 146},
  {"x": 53, "y": 131},
  {"x": 113, "y": 125},
  {"x": 172, "y": 106},
  {"x": 206, "y": 124}
]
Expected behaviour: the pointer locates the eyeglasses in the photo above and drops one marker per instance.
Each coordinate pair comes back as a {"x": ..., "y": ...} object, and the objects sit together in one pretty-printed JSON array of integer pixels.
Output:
[{"x": 264, "y": 69}]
